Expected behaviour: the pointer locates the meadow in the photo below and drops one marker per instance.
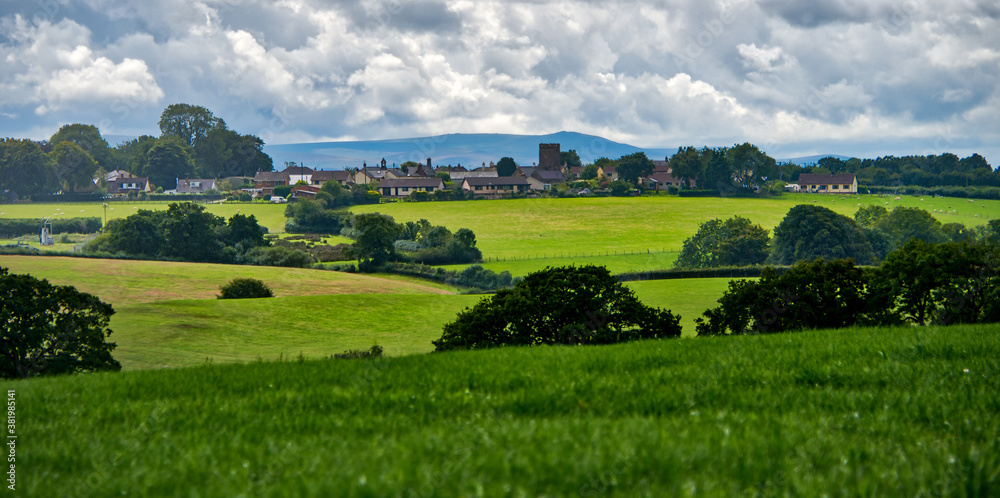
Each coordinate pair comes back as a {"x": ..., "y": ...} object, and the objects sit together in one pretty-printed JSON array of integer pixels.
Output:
[
  {"x": 167, "y": 315},
  {"x": 869, "y": 412}
]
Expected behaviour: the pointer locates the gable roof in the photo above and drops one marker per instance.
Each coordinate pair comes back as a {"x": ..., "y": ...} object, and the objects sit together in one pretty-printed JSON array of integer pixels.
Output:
[
  {"x": 493, "y": 181},
  {"x": 412, "y": 181},
  {"x": 269, "y": 176},
  {"x": 461, "y": 175},
  {"x": 193, "y": 185},
  {"x": 819, "y": 179},
  {"x": 548, "y": 175},
  {"x": 661, "y": 166},
  {"x": 297, "y": 170}
]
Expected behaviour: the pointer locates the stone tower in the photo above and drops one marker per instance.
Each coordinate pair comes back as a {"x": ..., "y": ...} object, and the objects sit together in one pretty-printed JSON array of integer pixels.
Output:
[{"x": 549, "y": 156}]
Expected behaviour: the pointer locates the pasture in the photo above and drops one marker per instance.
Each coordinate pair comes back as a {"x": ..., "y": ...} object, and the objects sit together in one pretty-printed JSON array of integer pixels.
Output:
[
  {"x": 872, "y": 412},
  {"x": 167, "y": 315}
]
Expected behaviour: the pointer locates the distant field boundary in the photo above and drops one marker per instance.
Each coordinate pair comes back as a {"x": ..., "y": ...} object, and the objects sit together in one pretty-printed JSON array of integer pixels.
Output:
[{"x": 583, "y": 254}]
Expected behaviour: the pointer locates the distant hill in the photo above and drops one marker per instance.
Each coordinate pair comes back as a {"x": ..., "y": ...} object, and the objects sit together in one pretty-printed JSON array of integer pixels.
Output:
[{"x": 470, "y": 150}]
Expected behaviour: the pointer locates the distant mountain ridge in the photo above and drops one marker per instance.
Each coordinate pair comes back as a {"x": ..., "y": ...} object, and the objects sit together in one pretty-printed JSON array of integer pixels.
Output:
[{"x": 468, "y": 149}]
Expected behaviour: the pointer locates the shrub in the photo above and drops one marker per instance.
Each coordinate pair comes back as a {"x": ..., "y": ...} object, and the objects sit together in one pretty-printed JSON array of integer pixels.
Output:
[
  {"x": 282, "y": 191},
  {"x": 564, "y": 305},
  {"x": 245, "y": 288},
  {"x": 278, "y": 256},
  {"x": 375, "y": 351}
]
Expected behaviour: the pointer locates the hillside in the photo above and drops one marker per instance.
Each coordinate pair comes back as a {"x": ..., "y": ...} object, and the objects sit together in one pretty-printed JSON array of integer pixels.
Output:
[{"x": 873, "y": 412}]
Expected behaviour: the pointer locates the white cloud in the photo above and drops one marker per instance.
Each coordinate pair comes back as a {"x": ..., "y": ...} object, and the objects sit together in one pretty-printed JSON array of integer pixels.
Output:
[{"x": 662, "y": 73}]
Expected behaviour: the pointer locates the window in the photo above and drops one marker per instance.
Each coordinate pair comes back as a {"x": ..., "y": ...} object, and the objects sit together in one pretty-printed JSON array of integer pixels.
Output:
[
  {"x": 406, "y": 189},
  {"x": 847, "y": 187},
  {"x": 195, "y": 184},
  {"x": 836, "y": 187}
]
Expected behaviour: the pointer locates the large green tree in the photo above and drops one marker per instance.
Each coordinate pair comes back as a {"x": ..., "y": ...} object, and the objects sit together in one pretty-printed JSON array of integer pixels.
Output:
[
  {"x": 24, "y": 169},
  {"x": 189, "y": 123},
  {"x": 570, "y": 158},
  {"x": 50, "y": 329},
  {"x": 687, "y": 165},
  {"x": 808, "y": 232},
  {"x": 89, "y": 138},
  {"x": 506, "y": 166},
  {"x": 633, "y": 166},
  {"x": 565, "y": 305},
  {"x": 810, "y": 295},
  {"x": 191, "y": 233},
  {"x": 74, "y": 167},
  {"x": 377, "y": 234},
  {"x": 166, "y": 161},
  {"x": 751, "y": 167},
  {"x": 905, "y": 223},
  {"x": 736, "y": 241}
]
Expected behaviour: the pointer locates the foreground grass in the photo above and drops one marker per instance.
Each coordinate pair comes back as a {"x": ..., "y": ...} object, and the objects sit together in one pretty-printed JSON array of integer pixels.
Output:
[{"x": 890, "y": 412}]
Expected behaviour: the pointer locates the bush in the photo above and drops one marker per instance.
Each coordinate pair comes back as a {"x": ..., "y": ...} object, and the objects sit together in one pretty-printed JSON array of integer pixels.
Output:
[
  {"x": 375, "y": 351},
  {"x": 245, "y": 288},
  {"x": 278, "y": 256},
  {"x": 282, "y": 191},
  {"x": 564, "y": 305}
]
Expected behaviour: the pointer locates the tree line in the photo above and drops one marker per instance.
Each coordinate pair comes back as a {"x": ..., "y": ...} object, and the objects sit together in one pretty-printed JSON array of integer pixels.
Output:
[
  {"x": 193, "y": 143},
  {"x": 808, "y": 232}
]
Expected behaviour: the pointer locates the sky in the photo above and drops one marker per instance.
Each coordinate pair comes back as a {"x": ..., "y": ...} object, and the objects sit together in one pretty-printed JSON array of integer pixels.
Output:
[{"x": 851, "y": 77}]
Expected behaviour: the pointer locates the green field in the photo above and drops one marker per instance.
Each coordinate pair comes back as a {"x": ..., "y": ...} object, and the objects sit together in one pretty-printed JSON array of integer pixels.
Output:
[
  {"x": 857, "y": 412},
  {"x": 271, "y": 216},
  {"x": 167, "y": 314},
  {"x": 535, "y": 228}
]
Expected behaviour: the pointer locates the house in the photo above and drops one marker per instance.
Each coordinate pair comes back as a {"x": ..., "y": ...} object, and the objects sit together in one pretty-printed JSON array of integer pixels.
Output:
[
  {"x": 402, "y": 187},
  {"x": 394, "y": 173},
  {"x": 122, "y": 187},
  {"x": 304, "y": 191},
  {"x": 543, "y": 179},
  {"x": 298, "y": 174},
  {"x": 267, "y": 180},
  {"x": 526, "y": 171},
  {"x": 573, "y": 172},
  {"x": 609, "y": 172},
  {"x": 367, "y": 175},
  {"x": 661, "y": 166},
  {"x": 662, "y": 180},
  {"x": 194, "y": 186},
  {"x": 116, "y": 174},
  {"x": 841, "y": 183},
  {"x": 495, "y": 186},
  {"x": 343, "y": 177}
]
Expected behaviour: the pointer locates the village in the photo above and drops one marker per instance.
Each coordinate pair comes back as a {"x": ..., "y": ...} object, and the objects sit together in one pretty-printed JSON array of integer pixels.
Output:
[{"x": 484, "y": 181}]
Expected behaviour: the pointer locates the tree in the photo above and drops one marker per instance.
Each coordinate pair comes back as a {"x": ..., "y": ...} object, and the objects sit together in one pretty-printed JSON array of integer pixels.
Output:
[
  {"x": 903, "y": 224},
  {"x": 686, "y": 164},
  {"x": 734, "y": 242},
  {"x": 377, "y": 235},
  {"x": 570, "y": 158},
  {"x": 506, "y": 167},
  {"x": 408, "y": 165},
  {"x": 244, "y": 231},
  {"x": 589, "y": 172},
  {"x": 189, "y": 123},
  {"x": 50, "y": 329},
  {"x": 810, "y": 295},
  {"x": 74, "y": 166},
  {"x": 88, "y": 138},
  {"x": 633, "y": 166},
  {"x": 718, "y": 170},
  {"x": 750, "y": 166},
  {"x": 132, "y": 154},
  {"x": 191, "y": 233},
  {"x": 564, "y": 305},
  {"x": 24, "y": 169},
  {"x": 166, "y": 161},
  {"x": 808, "y": 232},
  {"x": 339, "y": 195},
  {"x": 139, "y": 234}
]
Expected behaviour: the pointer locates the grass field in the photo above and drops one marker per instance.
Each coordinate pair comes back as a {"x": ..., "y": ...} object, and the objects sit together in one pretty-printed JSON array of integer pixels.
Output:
[
  {"x": 525, "y": 228},
  {"x": 167, "y": 314},
  {"x": 859, "y": 412},
  {"x": 271, "y": 216}
]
